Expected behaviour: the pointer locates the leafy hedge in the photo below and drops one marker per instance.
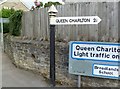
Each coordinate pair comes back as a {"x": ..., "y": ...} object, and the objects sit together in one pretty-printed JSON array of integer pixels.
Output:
[
  {"x": 6, "y": 13},
  {"x": 51, "y": 3},
  {"x": 15, "y": 23},
  {"x": 14, "y": 26},
  {"x": 5, "y": 27}
]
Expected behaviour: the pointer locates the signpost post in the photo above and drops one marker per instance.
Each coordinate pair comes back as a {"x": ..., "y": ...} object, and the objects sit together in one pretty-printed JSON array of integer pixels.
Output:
[
  {"x": 64, "y": 21},
  {"x": 1, "y": 33},
  {"x": 52, "y": 13},
  {"x": 2, "y": 20}
]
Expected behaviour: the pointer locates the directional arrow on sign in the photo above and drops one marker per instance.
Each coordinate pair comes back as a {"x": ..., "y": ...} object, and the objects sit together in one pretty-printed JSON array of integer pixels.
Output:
[{"x": 75, "y": 20}]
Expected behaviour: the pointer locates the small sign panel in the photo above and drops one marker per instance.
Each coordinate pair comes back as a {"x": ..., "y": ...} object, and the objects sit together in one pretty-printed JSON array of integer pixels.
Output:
[
  {"x": 106, "y": 70},
  {"x": 75, "y": 20},
  {"x": 99, "y": 51},
  {"x": 4, "y": 20}
]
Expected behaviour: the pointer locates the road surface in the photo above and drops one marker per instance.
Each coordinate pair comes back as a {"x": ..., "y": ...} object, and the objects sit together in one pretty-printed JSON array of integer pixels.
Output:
[{"x": 14, "y": 77}]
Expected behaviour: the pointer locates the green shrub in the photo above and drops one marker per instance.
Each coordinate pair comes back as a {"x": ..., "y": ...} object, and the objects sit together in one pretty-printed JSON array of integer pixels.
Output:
[
  {"x": 6, "y": 28},
  {"x": 0, "y": 13},
  {"x": 15, "y": 23},
  {"x": 14, "y": 26},
  {"x": 6, "y": 13},
  {"x": 51, "y": 3}
]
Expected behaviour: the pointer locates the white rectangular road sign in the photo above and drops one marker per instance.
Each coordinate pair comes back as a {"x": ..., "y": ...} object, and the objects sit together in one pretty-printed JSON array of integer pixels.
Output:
[
  {"x": 106, "y": 70},
  {"x": 96, "y": 51},
  {"x": 75, "y": 20}
]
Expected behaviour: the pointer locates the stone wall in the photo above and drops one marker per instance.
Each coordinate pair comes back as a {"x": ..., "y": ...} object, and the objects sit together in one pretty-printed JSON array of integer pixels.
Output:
[{"x": 34, "y": 55}]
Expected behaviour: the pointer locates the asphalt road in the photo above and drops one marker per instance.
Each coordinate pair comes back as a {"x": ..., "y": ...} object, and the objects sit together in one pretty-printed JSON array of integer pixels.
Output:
[{"x": 14, "y": 77}]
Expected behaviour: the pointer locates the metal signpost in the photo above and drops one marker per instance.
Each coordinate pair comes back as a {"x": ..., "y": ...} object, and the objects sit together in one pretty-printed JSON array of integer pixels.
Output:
[
  {"x": 52, "y": 13},
  {"x": 64, "y": 21}
]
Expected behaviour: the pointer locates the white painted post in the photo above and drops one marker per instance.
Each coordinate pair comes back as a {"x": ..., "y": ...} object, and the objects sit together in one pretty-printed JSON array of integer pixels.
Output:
[{"x": 2, "y": 45}]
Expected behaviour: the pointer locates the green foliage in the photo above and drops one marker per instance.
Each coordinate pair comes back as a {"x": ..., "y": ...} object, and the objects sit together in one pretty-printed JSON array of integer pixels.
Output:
[
  {"x": 15, "y": 23},
  {"x": 41, "y": 4},
  {"x": 14, "y": 26},
  {"x": 51, "y": 3},
  {"x": 6, "y": 13},
  {"x": 6, "y": 28},
  {"x": 0, "y": 13}
]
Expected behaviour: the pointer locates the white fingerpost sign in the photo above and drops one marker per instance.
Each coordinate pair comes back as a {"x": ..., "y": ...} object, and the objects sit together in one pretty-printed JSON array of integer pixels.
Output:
[{"x": 75, "y": 20}]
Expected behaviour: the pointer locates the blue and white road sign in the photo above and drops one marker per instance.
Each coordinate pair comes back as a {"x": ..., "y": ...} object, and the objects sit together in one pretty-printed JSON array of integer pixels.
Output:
[
  {"x": 97, "y": 59},
  {"x": 95, "y": 51}
]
